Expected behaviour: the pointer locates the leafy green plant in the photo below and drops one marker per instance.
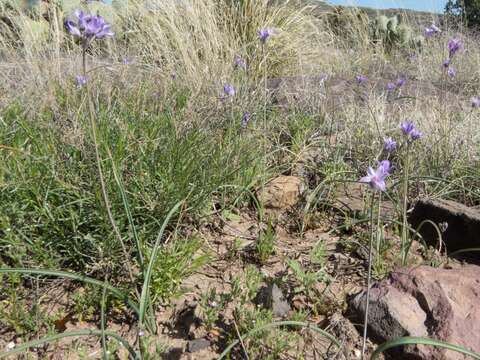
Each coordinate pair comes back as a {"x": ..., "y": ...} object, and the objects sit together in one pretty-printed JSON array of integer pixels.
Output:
[
  {"x": 253, "y": 281},
  {"x": 210, "y": 306},
  {"x": 318, "y": 255},
  {"x": 173, "y": 264},
  {"x": 307, "y": 279},
  {"x": 265, "y": 244}
]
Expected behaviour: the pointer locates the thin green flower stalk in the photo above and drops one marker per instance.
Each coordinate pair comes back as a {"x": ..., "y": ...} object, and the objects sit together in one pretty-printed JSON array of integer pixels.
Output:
[
  {"x": 411, "y": 134},
  {"x": 263, "y": 36},
  {"x": 404, "y": 238},
  {"x": 376, "y": 180}
]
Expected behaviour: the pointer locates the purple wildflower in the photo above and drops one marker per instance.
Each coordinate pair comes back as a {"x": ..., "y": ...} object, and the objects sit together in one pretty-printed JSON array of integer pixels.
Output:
[
  {"x": 361, "y": 79},
  {"x": 239, "y": 62},
  {"x": 435, "y": 28},
  {"x": 389, "y": 144},
  {"x": 415, "y": 134},
  {"x": 447, "y": 63},
  {"x": 429, "y": 31},
  {"x": 245, "y": 119},
  {"x": 407, "y": 128},
  {"x": 390, "y": 86},
  {"x": 475, "y": 101},
  {"x": 264, "y": 34},
  {"x": 400, "y": 82},
  {"x": 454, "y": 45},
  {"x": 385, "y": 165},
  {"x": 81, "y": 80},
  {"x": 452, "y": 72},
  {"x": 125, "y": 61},
  {"x": 432, "y": 30},
  {"x": 228, "y": 90},
  {"x": 88, "y": 27},
  {"x": 376, "y": 178}
]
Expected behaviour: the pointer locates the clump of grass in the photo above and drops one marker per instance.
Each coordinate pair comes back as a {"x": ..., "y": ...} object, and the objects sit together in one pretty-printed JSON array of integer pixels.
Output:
[
  {"x": 174, "y": 263},
  {"x": 265, "y": 243}
]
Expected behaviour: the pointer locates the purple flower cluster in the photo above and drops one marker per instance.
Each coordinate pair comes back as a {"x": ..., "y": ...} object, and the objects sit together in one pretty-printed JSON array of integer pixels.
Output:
[
  {"x": 452, "y": 72},
  {"x": 245, "y": 119},
  {"x": 432, "y": 30},
  {"x": 361, "y": 79},
  {"x": 264, "y": 34},
  {"x": 376, "y": 178},
  {"x": 88, "y": 27},
  {"x": 397, "y": 84},
  {"x": 454, "y": 45},
  {"x": 389, "y": 144},
  {"x": 475, "y": 101},
  {"x": 410, "y": 131},
  {"x": 239, "y": 62},
  {"x": 81, "y": 80},
  {"x": 228, "y": 90}
]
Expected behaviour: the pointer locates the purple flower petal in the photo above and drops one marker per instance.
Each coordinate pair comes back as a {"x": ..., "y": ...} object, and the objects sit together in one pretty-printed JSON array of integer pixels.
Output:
[
  {"x": 88, "y": 27},
  {"x": 361, "y": 79},
  {"x": 264, "y": 34},
  {"x": 389, "y": 144},
  {"x": 239, "y": 62},
  {"x": 245, "y": 119},
  {"x": 407, "y": 128},
  {"x": 400, "y": 82},
  {"x": 229, "y": 90},
  {"x": 452, "y": 72},
  {"x": 475, "y": 101},
  {"x": 81, "y": 80},
  {"x": 376, "y": 178},
  {"x": 455, "y": 45}
]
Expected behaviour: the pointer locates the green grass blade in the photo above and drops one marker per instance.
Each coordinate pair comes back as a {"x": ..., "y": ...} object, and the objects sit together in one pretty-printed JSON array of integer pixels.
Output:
[
  {"x": 25, "y": 346},
  {"x": 73, "y": 276},
  {"x": 102, "y": 322},
  {"x": 278, "y": 324},
  {"x": 126, "y": 206},
  {"x": 144, "y": 298},
  {"x": 410, "y": 340}
]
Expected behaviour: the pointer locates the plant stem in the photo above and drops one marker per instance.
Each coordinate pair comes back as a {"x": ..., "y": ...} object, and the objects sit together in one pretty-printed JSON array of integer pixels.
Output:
[
  {"x": 405, "y": 204},
  {"x": 265, "y": 90},
  {"x": 378, "y": 229},
  {"x": 99, "y": 168},
  {"x": 369, "y": 277}
]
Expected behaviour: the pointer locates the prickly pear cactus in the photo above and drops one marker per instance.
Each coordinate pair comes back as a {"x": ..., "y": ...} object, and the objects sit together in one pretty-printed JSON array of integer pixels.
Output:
[{"x": 392, "y": 32}]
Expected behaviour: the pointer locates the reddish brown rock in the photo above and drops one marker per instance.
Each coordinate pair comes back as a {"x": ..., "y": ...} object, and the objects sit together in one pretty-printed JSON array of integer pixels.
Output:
[{"x": 442, "y": 304}]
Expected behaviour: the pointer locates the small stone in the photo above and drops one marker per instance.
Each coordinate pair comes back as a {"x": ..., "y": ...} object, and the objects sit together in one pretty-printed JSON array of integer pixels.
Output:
[
  {"x": 271, "y": 297},
  {"x": 197, "y": 345}
]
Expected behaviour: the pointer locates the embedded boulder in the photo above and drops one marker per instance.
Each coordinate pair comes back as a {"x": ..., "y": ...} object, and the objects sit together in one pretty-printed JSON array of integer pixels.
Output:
[
  {"x": 459, "y": 224},
  {"x": 281, "y": 193},
  {"x": 441, "y": 304}
]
